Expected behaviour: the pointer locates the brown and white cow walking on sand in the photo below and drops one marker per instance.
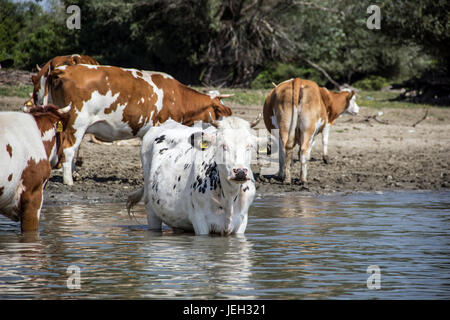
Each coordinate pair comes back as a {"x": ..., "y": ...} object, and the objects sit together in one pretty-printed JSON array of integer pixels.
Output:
[
  {"x": 116, "y": 103},
  {"x": 300, "y": 109},
  {"x": 30, "y": 145},
  {"x": 40, "y": 88}
]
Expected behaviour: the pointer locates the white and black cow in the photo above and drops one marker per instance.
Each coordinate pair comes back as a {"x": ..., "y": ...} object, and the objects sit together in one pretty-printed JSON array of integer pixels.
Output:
[{"x": 198, "y": 180}]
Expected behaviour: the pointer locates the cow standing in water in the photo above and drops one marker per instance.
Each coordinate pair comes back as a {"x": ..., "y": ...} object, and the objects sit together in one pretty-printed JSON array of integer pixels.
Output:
[
  {"x": 300, "y": 109},
  {"x": 30, "y": 145},
  {"x": 117, "y": 103},
  {"x": 198, "y": 180}
]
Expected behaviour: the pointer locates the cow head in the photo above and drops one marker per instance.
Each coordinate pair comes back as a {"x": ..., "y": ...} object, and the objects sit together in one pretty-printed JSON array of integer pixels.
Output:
[
  {"x": 38, "y": 80},
  {"x": 338, "y": 103},
  {"x": 52, "y": 124},
  {"x": 352, "y": 107},
  {"x": 220, "y": 110},
  {"x": 234, "y": 143}
]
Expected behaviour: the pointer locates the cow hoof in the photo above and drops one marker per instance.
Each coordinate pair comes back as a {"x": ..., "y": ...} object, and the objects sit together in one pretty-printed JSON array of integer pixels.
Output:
[{"x": 326, "y": 159}]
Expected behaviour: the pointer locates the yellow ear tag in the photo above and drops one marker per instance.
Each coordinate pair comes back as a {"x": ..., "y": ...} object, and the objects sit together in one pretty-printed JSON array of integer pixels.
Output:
[
  {"x": 59, "y": 127},
  {"x": 204, "y": 145},
  {"x": 29, "y": 103}
]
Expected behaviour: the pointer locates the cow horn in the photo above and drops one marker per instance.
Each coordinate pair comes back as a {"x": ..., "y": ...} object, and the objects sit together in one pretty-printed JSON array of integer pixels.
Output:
[
  {"x": 220, "y": 96},
  {"x": 38, "y": 68},
  {"x": 256, "y": 121},
  {"x": 273, "y": 83},
  {"x": 213, "y": 122}
]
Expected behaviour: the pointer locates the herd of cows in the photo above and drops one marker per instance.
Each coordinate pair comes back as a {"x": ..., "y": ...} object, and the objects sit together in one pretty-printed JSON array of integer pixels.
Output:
[{"x": 196, "y": 177}]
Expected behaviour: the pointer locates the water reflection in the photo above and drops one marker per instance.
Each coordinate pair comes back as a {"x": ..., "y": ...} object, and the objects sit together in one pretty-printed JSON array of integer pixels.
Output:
[{"x": 295, "y": 247}]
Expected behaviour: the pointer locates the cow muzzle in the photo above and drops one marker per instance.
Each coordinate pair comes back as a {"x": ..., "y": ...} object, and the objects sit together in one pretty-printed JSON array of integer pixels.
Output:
[{"x": 239, "y": 175}]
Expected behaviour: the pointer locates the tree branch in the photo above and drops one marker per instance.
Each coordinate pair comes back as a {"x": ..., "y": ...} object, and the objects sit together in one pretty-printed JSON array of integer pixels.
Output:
[{"x": 315, "y": 66}]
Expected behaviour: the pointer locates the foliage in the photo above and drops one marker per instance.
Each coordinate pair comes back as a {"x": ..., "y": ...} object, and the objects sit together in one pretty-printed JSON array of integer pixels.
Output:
[
  {"x": 279, "y": 72},
  {"x": 371, "y": 83},
  {"x": 238, "y": 43}
]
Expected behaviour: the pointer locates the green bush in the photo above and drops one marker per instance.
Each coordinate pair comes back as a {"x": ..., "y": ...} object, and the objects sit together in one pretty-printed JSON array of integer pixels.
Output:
[
  {"x": 371, "y": 83},
  {"x": 280, "y": 72}
]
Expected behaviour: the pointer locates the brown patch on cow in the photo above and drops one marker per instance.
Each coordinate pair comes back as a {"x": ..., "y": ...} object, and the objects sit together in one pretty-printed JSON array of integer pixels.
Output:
[
  {"x": 9, "y": 149},
  {"x": 335, "y": 103},
  {"x": 33, "y": 177},
  {"x": 10, "y": 177},
  {"x": 54, "y": 63},
  {"x": 75, "y": 85}
]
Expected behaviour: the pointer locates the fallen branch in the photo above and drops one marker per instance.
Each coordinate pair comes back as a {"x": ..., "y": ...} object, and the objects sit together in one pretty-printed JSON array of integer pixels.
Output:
[
  {"x": 425, "y": 116},
  {"x": 372, "y": 117}
]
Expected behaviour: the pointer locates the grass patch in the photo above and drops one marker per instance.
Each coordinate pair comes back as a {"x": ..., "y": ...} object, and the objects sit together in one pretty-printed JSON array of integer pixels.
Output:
[
  {"x": 248, "y": 97},
  {"x": 382, "y": 99},
  {"x": 22, "y": 91}
]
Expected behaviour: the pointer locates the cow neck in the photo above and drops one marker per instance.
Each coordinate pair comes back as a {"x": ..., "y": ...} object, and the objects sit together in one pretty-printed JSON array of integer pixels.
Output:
[
  {"x": 335, "y": 109},
  {"x": 198, "y": 102}
]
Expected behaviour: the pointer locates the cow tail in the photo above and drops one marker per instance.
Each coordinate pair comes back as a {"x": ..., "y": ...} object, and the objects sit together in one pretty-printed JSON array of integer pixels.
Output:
[
  {"x": 297, "y": 94},
  {"x": 134, "y": 199},
  {"x": 296, "y": 106}
]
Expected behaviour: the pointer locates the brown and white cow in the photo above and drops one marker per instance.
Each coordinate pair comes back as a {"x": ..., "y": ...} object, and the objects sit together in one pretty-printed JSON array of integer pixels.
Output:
[
  {"x": 300, "y": 109},
  {"x": 30, "y": 145},
  {"x": 116, "y": 103},
  {"x": 40, "y": 90}
]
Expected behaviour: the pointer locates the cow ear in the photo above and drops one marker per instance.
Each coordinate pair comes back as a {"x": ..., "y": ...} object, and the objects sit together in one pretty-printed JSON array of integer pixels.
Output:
[
  {"x": 201, "y": 140},
  {"x": 350, "y": 95},
  {"x": 222, "y": 111}
]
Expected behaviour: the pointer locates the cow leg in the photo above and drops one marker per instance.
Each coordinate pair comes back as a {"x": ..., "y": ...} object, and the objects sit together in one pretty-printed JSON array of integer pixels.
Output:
[
  {"x": 31, "y": 204},
  {"x": 325, "y": 133},
  {"x": 154, "y": 222},
  {"x": 69, "y": 155},
  {"x": 287, "y": 143},
  {"x": 199, "y": 223},
  {"x": 307, "y": 138},
  {"x": 281, "y": 159}
]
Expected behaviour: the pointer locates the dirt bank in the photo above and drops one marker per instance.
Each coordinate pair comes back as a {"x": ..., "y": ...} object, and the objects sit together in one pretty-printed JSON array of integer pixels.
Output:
[{"x": 366, "y": 155}]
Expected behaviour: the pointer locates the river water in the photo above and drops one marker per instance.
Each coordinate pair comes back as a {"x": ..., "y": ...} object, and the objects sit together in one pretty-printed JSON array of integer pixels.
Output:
[{"x": 393, "y": 245}]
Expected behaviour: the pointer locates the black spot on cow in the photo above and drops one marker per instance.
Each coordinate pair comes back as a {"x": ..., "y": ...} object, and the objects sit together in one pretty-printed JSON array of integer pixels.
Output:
[
  {"x": 179, "y": 177},
  {"x": 174, "y": 186},
  {"x": 235, "y": 198},
  {"x": 160, "y": 138},
  {"x": 246, "y": 188},
  {"x": 187, "y": 165},
  {"x": 162, "y": 150},
  {"x": 10, "y": 177}
]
